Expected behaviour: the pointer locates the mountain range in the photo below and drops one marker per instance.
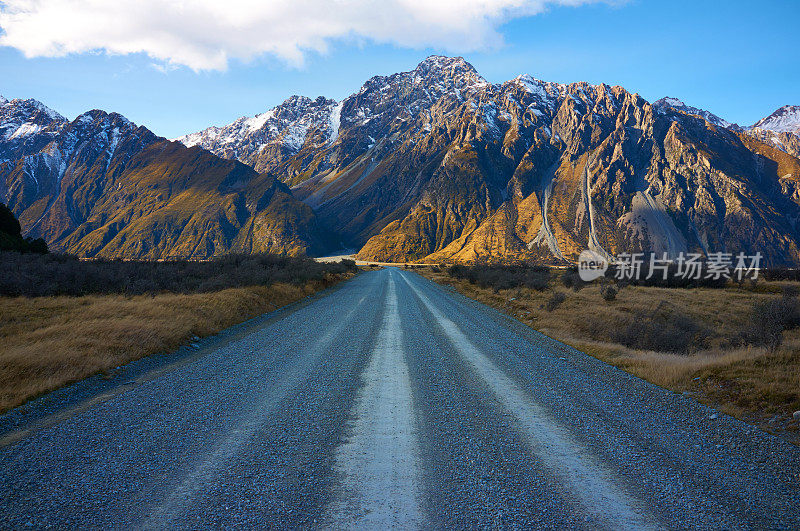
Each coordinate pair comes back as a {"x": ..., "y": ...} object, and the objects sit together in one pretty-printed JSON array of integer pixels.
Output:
[
  {"x": 434, "y": 164},
  {"x": 101, "y": 186}
]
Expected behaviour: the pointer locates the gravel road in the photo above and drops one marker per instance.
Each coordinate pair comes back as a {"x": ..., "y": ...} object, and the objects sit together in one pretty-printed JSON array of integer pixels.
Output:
[{"x": 389, "y": 402}]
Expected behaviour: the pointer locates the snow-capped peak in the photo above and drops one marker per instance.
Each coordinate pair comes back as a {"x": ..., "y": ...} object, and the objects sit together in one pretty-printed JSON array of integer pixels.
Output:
[
  {"x": 3, "y": 101},
  {"x": 104, "y": 120},
  {"x": 670, "y": 102},
  {"x": 678, "y": 105},
  {"x": 287, "y": 124},
  {"x": 21, "y": 119},
  {"x": 530, "y": 83},
  {"x": 45, "y": 109},
  {"x": 30, "y": 107},
  {"x": 784, "y": 120},
  {"x": 447, "y": 73},
  {"x": 444, "y": 63}
]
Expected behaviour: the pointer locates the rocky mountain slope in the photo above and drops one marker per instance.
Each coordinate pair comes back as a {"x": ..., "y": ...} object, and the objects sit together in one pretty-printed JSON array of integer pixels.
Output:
[
  {"x": 678, "y": 105},
  {"x": 282, "y": 131},
  {"x": 103, "y": 186},
  {"x": 439, "y": 164}
]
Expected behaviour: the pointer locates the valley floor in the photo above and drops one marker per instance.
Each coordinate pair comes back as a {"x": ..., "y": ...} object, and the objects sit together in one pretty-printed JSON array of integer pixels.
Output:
[
  {"x": 391, "y": 402},
  {"x": 754, "y": 384}
]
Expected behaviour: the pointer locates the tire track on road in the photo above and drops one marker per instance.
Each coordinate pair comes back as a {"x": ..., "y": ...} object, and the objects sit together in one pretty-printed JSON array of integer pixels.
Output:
[
  {"x": 202, "y": 475},
  {"x": 562, "y": 454},
  {"x": 379, "y": 462}
]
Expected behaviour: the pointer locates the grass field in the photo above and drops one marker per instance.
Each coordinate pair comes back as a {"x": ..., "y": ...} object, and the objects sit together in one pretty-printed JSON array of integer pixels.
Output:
[
  {"x": 718, "y": 367},
  {"x": 47, "y": 342}
]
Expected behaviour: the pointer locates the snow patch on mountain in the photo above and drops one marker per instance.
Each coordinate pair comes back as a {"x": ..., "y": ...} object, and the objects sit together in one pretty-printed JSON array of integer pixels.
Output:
[
  {"x": 532, "y": 86},
  {"x": 52, "y": 159},
  {"x": 665, "y": 103},
  {"x": 112, "y": 146},
  {"x": 25, "y": 129},
  {"x": 257, "y": 122},
  {"x": 336, "y": 121},
  {"x": 206, "y": 135},
  {"x": 287, "y": 125},
  {"x": 784, "y": 120}
]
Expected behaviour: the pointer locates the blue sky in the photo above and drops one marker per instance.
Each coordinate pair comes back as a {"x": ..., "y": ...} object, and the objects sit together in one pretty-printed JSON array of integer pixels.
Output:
[{"x": 738, "y": 59}]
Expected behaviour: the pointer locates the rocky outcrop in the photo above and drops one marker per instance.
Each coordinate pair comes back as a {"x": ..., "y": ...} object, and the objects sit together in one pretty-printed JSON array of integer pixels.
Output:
[{"x": 784, "y": 141}]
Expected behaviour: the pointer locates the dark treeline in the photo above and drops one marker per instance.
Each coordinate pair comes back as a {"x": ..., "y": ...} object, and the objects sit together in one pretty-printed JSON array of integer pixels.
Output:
[
  {"x": 537, "y": 277},
  {"x": 35, "y": 275},
  {"x": 779, "y": 274},
  {"x": 500, "y": 277}
]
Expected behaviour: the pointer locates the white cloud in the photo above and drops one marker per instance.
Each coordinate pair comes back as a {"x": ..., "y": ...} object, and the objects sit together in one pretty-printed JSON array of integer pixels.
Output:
[{"x": 206, "y": 34}]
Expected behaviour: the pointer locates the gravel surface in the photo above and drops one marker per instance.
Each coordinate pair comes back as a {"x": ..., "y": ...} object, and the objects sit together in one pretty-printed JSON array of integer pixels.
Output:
[{"x": 391, "y": 401}]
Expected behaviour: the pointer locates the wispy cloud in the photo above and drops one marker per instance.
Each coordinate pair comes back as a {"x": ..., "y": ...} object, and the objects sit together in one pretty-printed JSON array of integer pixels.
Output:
[{"x": 206, "y": 34}]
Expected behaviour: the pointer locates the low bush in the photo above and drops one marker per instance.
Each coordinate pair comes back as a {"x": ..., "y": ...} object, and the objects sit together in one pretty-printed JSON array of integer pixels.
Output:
[
  {"x": 672, "y": 280},
  {"x": 664, "y": 330},
  {"x": 769, "y": 319},
  {"x": 554, "y": 301},
  {"x": 783, "y": 274},
  {"x": 571, "y": 279},
  {"x": 608, "y": 292}
]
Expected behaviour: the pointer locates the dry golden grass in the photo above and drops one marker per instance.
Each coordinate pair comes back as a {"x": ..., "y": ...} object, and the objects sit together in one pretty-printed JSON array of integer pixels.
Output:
[
  {"x": 48, "y": 342},
  {"x": 750, "y": 383}
]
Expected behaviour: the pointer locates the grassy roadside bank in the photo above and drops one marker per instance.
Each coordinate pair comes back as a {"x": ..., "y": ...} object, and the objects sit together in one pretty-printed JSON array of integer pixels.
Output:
[
  {"x": 50, "y": 341},
  {"x": 755, "y": 383}
]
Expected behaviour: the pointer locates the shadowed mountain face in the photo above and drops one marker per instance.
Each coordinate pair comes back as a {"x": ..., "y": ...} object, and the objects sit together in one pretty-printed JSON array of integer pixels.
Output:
[
  {"x": 439, "y": 164},
  {"x": 102, "y": 186}
]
